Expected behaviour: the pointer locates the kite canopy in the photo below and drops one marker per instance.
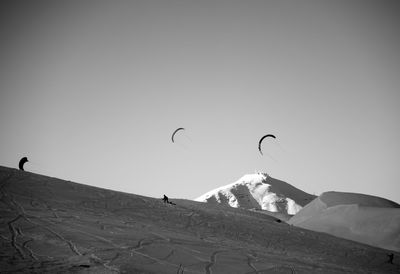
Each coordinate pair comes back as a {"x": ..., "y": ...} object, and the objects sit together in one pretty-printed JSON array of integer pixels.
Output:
[
  {"x": 259, "y": 142},
  {"x": 22, "y": 162},
  {"x": 173, "y": 134}
]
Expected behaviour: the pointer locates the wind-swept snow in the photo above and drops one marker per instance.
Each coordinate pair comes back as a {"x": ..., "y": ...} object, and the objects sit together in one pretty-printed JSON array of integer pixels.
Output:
[
  {"x": 49, "y": 225},
  {"x": 259, "y": 191},
  {"x": 363, "y": 218}
]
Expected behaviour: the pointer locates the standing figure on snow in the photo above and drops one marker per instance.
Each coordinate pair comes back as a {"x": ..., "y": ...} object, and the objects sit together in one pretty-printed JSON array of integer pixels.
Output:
[{"x": 165, "y": 199}]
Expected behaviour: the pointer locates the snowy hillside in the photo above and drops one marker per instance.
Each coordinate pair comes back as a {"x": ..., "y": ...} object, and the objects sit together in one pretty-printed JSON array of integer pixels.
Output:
[
  {"x": 48, "y": 225},
  {"x": 363, "y": 218},
  {"x": 259, "y": 191}
]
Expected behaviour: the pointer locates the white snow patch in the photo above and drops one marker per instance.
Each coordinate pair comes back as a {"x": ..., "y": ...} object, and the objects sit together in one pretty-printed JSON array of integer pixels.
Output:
[{"x": 292, "y": 207}]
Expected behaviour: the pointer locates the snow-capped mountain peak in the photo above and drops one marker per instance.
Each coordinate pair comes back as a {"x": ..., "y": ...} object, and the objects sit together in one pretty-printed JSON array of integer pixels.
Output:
[{"x": 259, "y": 191}]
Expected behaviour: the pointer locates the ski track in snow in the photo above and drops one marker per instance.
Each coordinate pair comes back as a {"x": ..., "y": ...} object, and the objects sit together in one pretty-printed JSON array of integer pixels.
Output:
[
  {"x": 14, "y": 235},
  {"x": 213, "y": 260},
  {"x": 31, "y": 253},
  {"x": 15, "y": 231},
  {"x": 250, "y": 262}
]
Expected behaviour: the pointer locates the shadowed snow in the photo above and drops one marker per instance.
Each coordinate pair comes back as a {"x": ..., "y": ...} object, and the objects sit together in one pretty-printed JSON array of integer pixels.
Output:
[{"x": 363, "y": 218}]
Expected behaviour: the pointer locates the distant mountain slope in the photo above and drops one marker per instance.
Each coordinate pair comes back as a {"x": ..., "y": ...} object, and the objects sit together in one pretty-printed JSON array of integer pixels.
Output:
[
  {"x": 259, "y": 191},
  {"x": 333, "y": 198},
  {"x": 359, "y": 217},
  {"x": 48, "y": 225}
]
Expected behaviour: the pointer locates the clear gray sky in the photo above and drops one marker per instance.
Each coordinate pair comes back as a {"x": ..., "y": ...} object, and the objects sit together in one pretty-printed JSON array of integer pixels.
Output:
[{"x": 91, "y": 91}]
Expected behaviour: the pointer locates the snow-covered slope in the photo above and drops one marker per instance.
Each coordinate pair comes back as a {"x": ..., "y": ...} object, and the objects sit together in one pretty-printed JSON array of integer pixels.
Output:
[
  {"x": 259, "y": 191},
  {"x": 363, "y": 218},
  {"x": 49, "y": 225}
]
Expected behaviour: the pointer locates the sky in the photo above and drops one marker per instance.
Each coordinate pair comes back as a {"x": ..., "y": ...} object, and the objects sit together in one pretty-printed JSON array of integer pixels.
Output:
[{"x": 91, "y": 92}]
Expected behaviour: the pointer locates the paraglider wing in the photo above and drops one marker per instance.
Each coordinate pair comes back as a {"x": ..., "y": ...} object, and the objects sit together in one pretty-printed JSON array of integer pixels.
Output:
[
  {"x": 173, "y": 134},
  {"x": 265, "y": 136},
  {"x": 22, "y": 162}
]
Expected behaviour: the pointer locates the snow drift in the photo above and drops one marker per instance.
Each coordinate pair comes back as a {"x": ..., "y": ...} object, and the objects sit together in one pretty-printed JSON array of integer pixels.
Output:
[
  {"x": 358, "y": 217},
  {"x": 259, "y": 191}
]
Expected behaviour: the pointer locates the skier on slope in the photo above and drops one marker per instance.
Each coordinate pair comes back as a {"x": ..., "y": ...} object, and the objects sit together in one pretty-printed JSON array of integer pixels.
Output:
[{"x": 165, "y": 199}]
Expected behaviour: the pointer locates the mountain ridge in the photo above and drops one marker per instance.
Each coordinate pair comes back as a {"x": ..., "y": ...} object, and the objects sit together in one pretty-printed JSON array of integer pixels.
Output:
[{"x": 261, "y": 192}]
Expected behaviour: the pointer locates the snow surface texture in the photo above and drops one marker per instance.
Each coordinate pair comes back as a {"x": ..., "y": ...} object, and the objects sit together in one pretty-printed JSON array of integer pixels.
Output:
[
  {"x": 259, "y": 191},
  {"x": 358, "y": 217},
  {"x": 49, "y": 225}
]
